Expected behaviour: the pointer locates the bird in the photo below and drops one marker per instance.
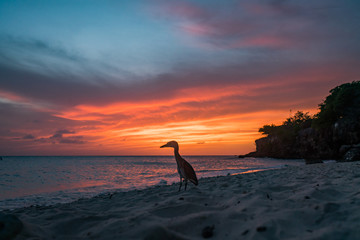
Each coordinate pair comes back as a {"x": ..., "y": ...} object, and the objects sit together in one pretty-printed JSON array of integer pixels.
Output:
[{"x": 184, "y": 168}]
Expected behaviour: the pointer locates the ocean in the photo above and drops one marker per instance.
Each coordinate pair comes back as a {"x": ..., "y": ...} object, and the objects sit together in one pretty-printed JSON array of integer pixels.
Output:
[{"x": 27, "y": 181}]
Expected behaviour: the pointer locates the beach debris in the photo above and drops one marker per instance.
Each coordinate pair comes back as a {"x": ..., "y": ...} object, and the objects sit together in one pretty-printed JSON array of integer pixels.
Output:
[
  {"x": 185, "y": 170},
  {"x": 268, "y": 196},
  {"x": 261, "y": 229},
  {"x": 10, "y": 226},
  {"x": 208, "y": 231},
  {"x": 306, "y": 197},
  {"x": 181, "y": 198},
  {"x": 245, "y": 232}
]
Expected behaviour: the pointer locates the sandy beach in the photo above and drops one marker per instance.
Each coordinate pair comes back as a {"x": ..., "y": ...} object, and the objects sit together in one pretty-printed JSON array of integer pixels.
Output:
[{"x": 320, "y": 201}]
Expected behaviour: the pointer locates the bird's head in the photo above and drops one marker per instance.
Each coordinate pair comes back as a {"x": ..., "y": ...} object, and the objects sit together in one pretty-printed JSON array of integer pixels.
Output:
[{"x": 172, "y": 144}]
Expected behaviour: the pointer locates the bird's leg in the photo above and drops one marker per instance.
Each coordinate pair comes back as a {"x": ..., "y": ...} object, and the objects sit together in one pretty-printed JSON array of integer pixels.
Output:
[
  {"x": 185, "y": 184},
  {"x": 180, "y": 184}
]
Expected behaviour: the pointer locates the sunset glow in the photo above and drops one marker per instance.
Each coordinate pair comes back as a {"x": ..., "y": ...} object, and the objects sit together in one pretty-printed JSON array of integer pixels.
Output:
[{"x": 123, "y": 78}]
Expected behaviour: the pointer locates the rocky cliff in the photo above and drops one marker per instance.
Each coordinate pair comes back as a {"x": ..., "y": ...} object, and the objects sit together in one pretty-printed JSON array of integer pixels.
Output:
[
  {"x": 333, "y": 133},
  {"x": 341, "y": 143}
]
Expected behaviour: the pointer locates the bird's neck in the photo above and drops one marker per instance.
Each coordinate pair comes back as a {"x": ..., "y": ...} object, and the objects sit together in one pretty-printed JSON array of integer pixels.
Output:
[{"x": 177, "y": 154}]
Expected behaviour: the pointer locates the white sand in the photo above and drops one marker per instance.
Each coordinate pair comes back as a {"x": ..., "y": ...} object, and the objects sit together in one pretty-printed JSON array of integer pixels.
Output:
[{"x": 320, "y": 201}]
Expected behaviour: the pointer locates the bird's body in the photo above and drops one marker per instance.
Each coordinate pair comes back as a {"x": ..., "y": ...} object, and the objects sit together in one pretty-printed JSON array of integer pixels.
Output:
[{"x": 184, "y": 168}]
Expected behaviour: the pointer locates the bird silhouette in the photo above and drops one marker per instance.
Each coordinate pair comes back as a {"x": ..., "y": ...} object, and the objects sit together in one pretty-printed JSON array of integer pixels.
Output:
[{"x": 184, "y": 168}]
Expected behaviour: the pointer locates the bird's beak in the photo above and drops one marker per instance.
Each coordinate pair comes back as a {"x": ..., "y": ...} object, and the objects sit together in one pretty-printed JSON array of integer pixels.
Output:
[{"x": 165, "y": 145}]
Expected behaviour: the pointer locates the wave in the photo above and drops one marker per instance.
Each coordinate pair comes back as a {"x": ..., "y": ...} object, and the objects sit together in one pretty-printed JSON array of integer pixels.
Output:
[{"x": 154, "y": 163}]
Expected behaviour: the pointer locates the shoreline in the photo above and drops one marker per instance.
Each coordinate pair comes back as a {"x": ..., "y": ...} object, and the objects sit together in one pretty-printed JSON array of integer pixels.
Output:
[
  {"x": 319, "y": 201},
  {"x": 54, "y": 191},
  {"x": 43, "y": 196}
]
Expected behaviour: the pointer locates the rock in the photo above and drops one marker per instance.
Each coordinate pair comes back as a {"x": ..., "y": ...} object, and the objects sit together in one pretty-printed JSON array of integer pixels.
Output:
[
  {"x": 343, "y": 149},
  {"x": 313, "y": 161},
  {"x": 353, "y": 154},
  {"x": 10, "y": 226},
  {"x": 208, "y": 231},
  {"x": 261, "y": 229}
]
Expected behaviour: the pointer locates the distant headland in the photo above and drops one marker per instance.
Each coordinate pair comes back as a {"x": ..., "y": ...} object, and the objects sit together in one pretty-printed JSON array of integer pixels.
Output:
[{"x": 332, "y": 133}]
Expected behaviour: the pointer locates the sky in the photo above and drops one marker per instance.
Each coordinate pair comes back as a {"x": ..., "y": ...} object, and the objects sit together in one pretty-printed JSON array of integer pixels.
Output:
[{"x": 106, "y": 77}]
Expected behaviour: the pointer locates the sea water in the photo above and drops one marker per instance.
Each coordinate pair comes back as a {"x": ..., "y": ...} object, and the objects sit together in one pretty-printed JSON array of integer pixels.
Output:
[{"x": 26, "y": 181}]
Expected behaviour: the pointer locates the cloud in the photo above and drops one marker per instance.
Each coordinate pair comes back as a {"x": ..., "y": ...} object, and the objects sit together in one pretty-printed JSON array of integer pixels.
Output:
[
  {"x": 60, "y": 133},
  {"x": 28, "y": 136},
  {"x": 59, "y": 92},
  {"x": 16, "y": 44},
  {"x": 58, "y": 137},
  {"x": 258, "y": 24},
  {"x": 73, "y": 140},
  {"x": 52, "y": 59}
]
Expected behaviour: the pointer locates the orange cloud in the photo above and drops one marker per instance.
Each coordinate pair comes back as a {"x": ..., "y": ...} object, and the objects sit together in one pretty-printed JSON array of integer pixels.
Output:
[{"x": 204, "y": 121}]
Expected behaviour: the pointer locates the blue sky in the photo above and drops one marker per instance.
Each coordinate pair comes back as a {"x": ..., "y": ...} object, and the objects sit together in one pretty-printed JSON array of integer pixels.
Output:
[
  {"x": 83, "y": 34},
  {"x": 124, "y": 39}
]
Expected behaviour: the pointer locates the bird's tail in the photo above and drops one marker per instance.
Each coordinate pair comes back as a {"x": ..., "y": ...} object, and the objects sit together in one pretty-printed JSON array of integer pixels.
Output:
[{"x": 194, "y": 181}]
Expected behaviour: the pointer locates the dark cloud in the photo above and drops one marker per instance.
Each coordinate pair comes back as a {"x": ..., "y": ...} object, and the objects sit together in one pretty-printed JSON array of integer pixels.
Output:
[
  {"x": 58, "y": 137},
  {"x": 61, "y": 92},
  {"x": 16, "y": 116},
  {"x": 20, "y": 124},
  {"x": 60, "y": 133},
  {"x": 28, "y": 136}
]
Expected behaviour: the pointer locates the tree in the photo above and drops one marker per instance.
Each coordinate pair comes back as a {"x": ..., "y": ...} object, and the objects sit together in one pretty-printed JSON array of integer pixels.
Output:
[
  {"x": 268, "y": 129},
  {"x": 290, "y": 127},
  {"x": 343, "y": 104},
  {"x": 299, "y": 121}
]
